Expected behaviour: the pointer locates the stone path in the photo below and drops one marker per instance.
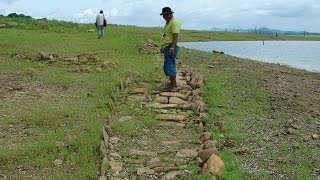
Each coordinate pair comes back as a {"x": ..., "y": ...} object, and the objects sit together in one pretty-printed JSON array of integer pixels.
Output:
[
  {"x": 164, "y": 150},
  {"x": 172, "y": 142}
]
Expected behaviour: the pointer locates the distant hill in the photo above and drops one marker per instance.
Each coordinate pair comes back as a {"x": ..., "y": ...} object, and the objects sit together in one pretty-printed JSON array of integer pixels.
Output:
[{"x": 264, "y": 30}]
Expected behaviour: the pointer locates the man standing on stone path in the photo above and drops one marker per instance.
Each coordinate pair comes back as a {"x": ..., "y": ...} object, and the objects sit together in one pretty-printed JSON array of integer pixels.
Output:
[{"x": 169, "y": 46}]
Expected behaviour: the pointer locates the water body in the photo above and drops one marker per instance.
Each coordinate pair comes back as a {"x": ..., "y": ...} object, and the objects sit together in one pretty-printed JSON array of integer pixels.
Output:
[{"x": 297, "y": 54}]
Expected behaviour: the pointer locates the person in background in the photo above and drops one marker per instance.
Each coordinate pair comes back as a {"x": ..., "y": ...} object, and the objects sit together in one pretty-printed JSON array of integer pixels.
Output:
[
  {"x": 169, "y": 47},
  {"x": 100, "y": 24}
]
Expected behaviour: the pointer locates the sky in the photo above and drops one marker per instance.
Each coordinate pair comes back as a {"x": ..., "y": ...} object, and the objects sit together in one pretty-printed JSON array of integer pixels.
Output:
[{"x": 302, "y": 15}]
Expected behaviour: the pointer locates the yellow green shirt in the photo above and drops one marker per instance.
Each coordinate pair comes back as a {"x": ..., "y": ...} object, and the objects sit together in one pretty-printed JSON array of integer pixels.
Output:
[{"x": 169, "y": 29}]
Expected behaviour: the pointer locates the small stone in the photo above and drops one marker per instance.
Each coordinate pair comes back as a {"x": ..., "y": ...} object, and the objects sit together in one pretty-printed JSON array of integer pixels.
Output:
[
  {"x": 205, "y": 136},
  {"x": 214, "y": 166},
  {"x": 156, "y": 159},
  {"x": 296, "y": 145},
  {"x": 187, "y": 153},
  {"x": 60, "y": 144},
  {"x": 58, "y": 162},
  {"x": 109, "y": 130},
  {"x": 241, "y": 151},
  {"x": 145, "y": 170},
  {"x": 125, "y": 118},
  {"x": 116, "y": 166},
  {"x": 280, "y": 159},
  {"x": 206, "y": 153},
  {"x": 102, "y": 178},
  {"x": 210, "y": 144},
  {"x": 295, "y": 126},
  {"x": 315, "y": 136},
  {"x": 200, "y": 128},
  {"x": 172, "y": 175},
  {"x": 199, "y": 161},
  {"x": 291, "y": 131},
  {"x": 114, "y": 140},
  {"x": 140, "y": 91}
]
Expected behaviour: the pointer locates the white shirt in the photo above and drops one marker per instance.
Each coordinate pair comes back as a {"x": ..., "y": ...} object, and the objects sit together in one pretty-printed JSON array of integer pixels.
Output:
[{"x": 99, "y": 19}]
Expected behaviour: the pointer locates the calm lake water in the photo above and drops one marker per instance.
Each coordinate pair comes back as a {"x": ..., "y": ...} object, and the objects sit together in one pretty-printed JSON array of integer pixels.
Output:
[{"x": 298, "y": 54}]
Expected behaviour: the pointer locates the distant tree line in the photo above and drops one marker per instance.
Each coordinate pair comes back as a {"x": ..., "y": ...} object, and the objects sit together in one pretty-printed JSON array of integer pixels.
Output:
[{"x": 15, "y": 15}]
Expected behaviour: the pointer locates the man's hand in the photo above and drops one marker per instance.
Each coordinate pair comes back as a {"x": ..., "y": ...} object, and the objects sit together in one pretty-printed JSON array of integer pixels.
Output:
[{"x": 171, "y": 51}]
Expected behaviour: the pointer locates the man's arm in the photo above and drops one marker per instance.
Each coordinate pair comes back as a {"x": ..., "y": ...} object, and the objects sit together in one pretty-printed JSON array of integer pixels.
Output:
[{"x": 174, "y": 42}]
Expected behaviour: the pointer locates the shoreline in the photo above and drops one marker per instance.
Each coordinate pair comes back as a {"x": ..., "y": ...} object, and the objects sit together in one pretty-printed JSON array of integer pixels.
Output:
[{"x": 288, "y": 124}]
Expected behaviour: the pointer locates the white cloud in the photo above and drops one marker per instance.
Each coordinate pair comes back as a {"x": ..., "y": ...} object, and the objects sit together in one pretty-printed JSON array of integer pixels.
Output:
[
  {"x": 85, "y": 13},
  {"x": 199, "y": 14}
]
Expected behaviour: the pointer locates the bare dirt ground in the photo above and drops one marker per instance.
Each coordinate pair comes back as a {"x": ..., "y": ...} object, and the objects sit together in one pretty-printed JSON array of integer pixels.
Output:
[{"x": 288, "y": 136}]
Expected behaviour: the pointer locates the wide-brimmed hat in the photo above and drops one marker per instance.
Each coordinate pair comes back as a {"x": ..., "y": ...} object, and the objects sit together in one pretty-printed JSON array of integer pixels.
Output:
[{"x": 166, "y": 10}]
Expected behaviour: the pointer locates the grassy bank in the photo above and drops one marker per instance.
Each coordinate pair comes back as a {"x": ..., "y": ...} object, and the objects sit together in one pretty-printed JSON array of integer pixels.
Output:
[
  {"x": 51, "y": 112},
  {"x": 57, "y": 109}
]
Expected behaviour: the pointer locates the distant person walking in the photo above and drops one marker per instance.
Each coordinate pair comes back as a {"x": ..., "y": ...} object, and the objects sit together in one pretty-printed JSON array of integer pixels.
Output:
[
  {"x": 169, "y": 47},
  {"x": 101, "y": 22}
]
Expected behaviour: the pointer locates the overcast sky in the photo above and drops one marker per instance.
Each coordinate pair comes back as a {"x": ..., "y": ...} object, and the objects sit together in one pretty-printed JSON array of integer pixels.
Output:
[{"x": 193, "y": 14}]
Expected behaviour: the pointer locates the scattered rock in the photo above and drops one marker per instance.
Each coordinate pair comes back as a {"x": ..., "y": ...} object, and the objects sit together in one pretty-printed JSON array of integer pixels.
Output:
[
  {"x": 209, "y": 144},
  {"x": 196, "y": 80},
  {"x": 125, "y": 118},
  {"x": 140, "y": 91},
  {"x": 165, "y": 169},
  {"x": 205, "y": 136},
  {"x": 3, "y": 25},
  {"x": 45, "y": 56},
  {"x": 206, "y": 153},
  {"x": 187, "y": 153},
  {"x": 109, "y": 130},
  {"x": 142, "y": 98},
  {"x": 168, "y": 143},
  {"x": 90, "y": 30},
  {"x": 116, "y": 166},
  {"x": 200, "y": 128},
  {"x": 315, "y": 136},
  {"x": 114, "y": 140},
  {"x": 145, "y": 170},
  {"x": 171, "y": 117},
  {"x": 60, "y": 144},
  {"x": 58, "y": 162},
  {"x": 172, "y": 175},
  {"x": 291, "y": 131},
  {"x": 295, "y": 126},
  {"x": 241, "y": 151},
  {"x": 213, "y": 165},
  {"x": 88, "y": 56}
]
